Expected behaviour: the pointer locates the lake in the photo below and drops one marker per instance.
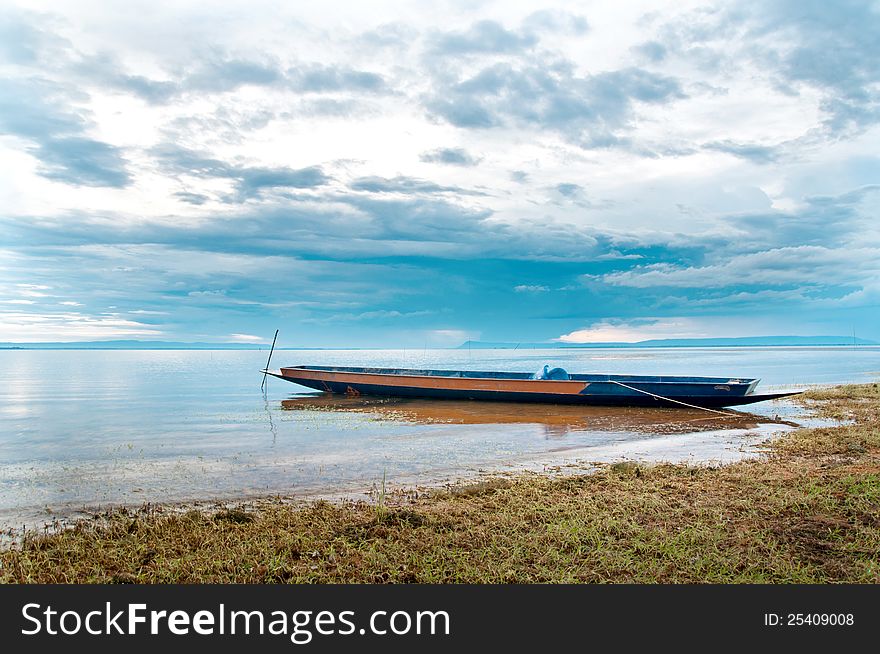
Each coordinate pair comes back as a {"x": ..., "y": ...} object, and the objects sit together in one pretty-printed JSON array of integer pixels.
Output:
[{"x": 96, "y": 428}]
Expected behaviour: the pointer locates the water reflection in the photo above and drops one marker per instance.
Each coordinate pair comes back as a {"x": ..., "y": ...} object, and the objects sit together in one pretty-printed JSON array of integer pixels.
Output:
[{"x": 557, "y": 421}]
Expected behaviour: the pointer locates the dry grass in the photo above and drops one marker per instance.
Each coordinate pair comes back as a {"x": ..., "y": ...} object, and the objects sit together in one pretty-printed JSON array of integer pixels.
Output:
[{"x": 809, "y": 512}]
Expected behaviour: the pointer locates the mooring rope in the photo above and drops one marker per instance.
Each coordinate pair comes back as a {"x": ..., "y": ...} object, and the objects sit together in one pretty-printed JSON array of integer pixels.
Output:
[{"x": 669, "y": 399}]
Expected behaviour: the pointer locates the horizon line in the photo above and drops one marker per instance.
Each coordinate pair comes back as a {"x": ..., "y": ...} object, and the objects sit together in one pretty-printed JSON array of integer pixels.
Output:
[{"x": 721, "y": 341}]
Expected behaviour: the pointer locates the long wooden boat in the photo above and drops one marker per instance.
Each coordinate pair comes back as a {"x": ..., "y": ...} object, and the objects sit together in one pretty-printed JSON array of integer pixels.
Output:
[{"x": 591, "y": 389}]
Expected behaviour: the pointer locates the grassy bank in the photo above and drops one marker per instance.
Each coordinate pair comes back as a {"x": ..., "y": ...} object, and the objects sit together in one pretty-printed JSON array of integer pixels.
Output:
[{"x": 807, "y": 512}]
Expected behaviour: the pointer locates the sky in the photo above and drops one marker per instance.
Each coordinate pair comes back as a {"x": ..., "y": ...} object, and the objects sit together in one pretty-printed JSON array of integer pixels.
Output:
[{"x": 407, "y": 174}]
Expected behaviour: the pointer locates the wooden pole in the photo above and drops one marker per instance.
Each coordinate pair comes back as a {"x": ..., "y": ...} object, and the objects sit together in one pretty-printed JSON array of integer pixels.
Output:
[{"x": 266, "y": 370}]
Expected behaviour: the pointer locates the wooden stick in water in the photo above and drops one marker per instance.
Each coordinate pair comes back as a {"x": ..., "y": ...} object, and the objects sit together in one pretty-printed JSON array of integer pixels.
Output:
[{"x": 266, "y": 370}]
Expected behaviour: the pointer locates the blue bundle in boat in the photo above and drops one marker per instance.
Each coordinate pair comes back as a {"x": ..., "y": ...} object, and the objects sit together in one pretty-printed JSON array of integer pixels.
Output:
[{"x": 547, "y": 372}]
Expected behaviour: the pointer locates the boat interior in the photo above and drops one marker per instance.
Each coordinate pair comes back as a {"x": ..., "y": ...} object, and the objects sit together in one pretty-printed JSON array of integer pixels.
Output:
[{"x": 474, "y": 374}]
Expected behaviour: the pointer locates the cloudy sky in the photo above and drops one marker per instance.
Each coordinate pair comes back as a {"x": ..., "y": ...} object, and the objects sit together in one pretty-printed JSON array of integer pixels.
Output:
[{"x": 409, "y": 173}]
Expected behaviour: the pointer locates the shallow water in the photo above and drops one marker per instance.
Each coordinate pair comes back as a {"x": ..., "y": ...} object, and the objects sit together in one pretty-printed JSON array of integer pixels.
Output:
[{"x": 92, "y": 428}]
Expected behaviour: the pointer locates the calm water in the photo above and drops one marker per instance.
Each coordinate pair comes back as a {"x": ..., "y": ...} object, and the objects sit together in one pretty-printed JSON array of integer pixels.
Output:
[{"x": 95, "y": 428}]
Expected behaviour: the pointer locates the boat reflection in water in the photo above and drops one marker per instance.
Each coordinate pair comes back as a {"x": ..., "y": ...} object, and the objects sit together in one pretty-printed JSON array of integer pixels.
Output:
[{"x": 557, "y": 420}]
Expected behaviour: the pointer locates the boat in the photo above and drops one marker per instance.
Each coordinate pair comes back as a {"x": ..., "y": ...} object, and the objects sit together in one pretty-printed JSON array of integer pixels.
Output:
[{"x": 550, "y": 386}]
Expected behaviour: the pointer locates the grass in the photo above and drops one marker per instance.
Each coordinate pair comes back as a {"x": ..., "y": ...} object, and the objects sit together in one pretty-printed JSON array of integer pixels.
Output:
[{"x": 807, "y": 512}]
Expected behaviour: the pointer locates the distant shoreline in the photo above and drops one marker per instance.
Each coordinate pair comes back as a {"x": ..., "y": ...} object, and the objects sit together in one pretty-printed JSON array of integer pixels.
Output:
[
  {"x": 668, "y": 343},
  {"x": 631, "y": 346}
]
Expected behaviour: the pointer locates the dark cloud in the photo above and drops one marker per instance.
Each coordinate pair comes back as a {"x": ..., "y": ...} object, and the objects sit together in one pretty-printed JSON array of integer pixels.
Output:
[
  {"x": 829, "y": 46},
  {"x": 319, "y": 79},
  {"x": 799, "y": 267},
  {"x": 214, "y": 72},
  {"x": 332, "y": 107},
  {"x": 82, "y": 161},
  {"x": 228, "y": 123},
  {"x": 592, "y": 111},
  {"x": 223, "y": 75},
  {"x": 175, "y": 159},
  {"x": 462, "y": 111},
  {"x": 41, "y": 113},
  {"x": 218, "y": 76},
  {"x": 483, "y": 37},
  {"x": 406, "y": 185},
  {"x": 572, "y": 194},
  {"x": 153, "y": 91},
  {"x": 753, "y": 152},
  {"x": 652, "y": 50},
  {"x": 419, "y": 220},
  {"x": 823, "y": 220},
  {"x": 397, "y": 35},
  {"x": 36, "y": 108},
  {"x": 192, "y": 198},
  {"x": 252, "y": 180},
  {"x": 249, "y": 181},
  {"x": 20, "y": 42},
  {"x": 103, "y": 69},
  {"x": 551, "y": 20},
  {"x": 450, "y": 156},
  {"x": 346, "y": 226},
  {"x": 836, "y": 49},
  {"x": 568, "y": 189}
]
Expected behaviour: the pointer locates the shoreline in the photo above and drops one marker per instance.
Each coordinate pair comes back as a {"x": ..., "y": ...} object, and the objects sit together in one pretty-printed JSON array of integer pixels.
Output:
[
  {"x": 804, "y": 511},
  {"x": 654, "y": 449},
  {"x": 694, "y": 441}
]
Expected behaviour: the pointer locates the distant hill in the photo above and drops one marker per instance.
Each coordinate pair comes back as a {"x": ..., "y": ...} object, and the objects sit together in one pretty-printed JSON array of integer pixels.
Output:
[
  {"x": 747, "y": 341},
  {"x": 744, "y": 341},
  {"x": 132, "y": 345},
  {"x": 151, "y": 345}
]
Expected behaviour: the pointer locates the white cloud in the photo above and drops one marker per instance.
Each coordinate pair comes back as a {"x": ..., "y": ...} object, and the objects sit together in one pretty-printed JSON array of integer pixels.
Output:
[
  {"x": 449, "y": 337},
  {"x": 531, "y": 288},
  {"x": 802, "y": 265},
  {"x": 23, "y": 327},
  {"x": 622, "y": 332},
  {"x": 247, "y": 338}
]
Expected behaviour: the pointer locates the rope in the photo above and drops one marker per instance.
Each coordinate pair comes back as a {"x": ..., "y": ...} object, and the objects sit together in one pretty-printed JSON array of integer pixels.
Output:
[{"x": 669, "y": 399}]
